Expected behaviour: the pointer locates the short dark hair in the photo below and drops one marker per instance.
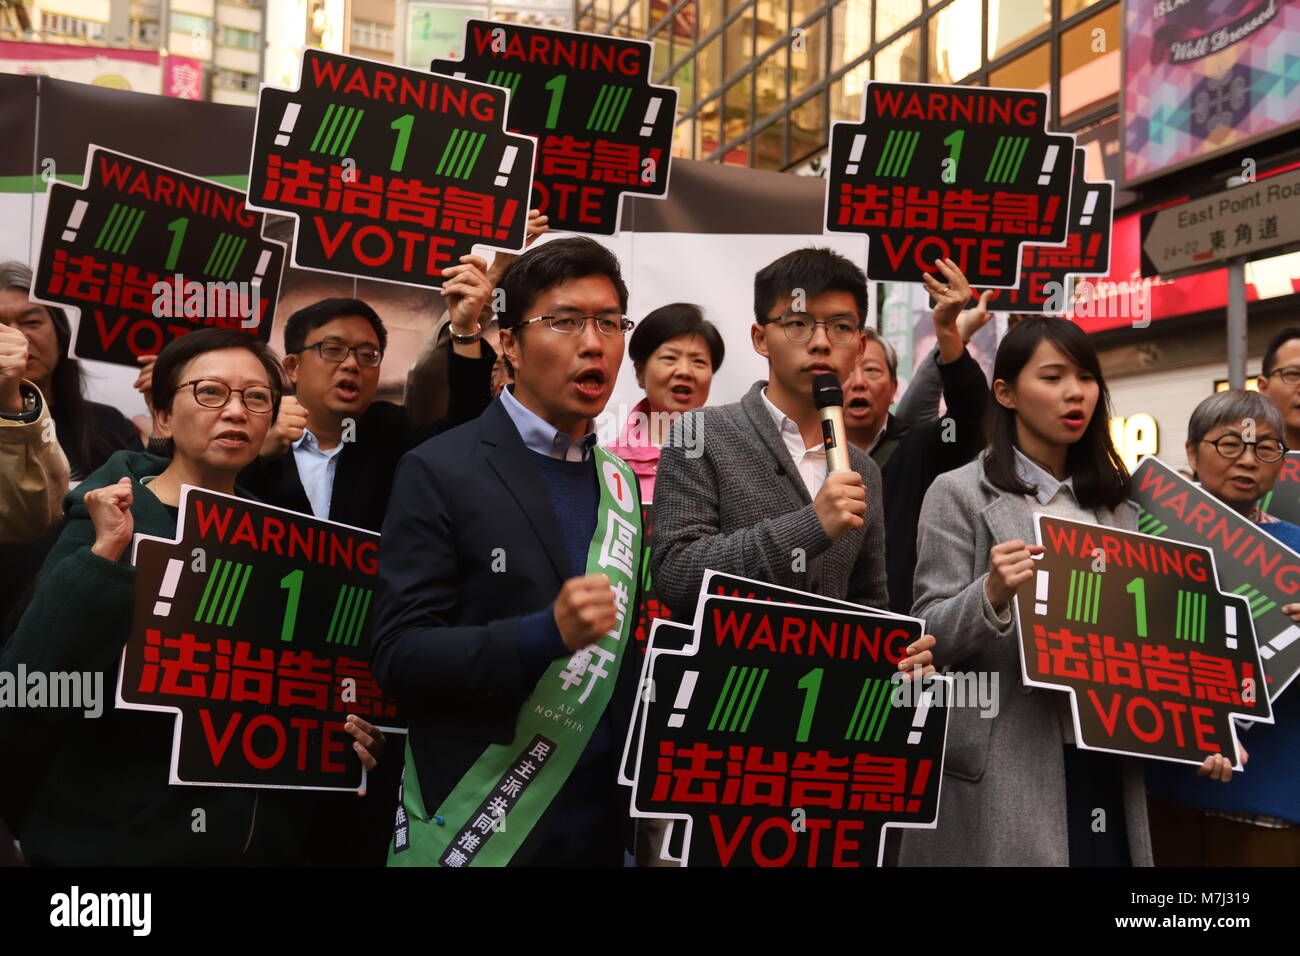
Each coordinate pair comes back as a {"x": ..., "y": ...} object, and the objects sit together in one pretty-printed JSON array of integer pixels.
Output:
[
  {"x": 1274, "y": 346},
  {"x": 1100, "y": 477},
  {"x": 813, "y": 270},
  {"x": 178, "y": 353},
  {"x": 668, "y": 322},
  {"x": 327, "y": 310},
  {"x": 550, "y": 263}
]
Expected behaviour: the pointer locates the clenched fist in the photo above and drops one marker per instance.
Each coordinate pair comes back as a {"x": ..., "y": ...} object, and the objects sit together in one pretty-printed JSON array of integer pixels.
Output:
[
  {"x": 110, "y": 513},
  {"x": 288, "y": 428},
  {"x": 13, "y": 363},
  {"x": 584, "y": 610},
  {"x": 841, "y": 505},
  {"x": 1011, "y": 564}
]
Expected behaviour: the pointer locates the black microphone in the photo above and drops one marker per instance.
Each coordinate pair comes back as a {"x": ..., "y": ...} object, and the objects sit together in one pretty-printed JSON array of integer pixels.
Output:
[{"x": 829, "y": 399}]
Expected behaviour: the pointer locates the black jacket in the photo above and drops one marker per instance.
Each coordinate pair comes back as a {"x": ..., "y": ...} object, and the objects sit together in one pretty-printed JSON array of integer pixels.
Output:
[
  {"x": 446, "y": 635},
  {"x": 910, "y": 458},
  {"x": 363, "y": 477}
]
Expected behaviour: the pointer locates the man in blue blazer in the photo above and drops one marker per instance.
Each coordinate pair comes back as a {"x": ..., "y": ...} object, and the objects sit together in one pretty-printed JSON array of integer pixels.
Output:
[{"x": 507, "y": 590}]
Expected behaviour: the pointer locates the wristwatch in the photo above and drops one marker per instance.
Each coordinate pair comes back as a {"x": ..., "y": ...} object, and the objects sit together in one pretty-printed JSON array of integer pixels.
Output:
[{"x": 467, "y": 339}]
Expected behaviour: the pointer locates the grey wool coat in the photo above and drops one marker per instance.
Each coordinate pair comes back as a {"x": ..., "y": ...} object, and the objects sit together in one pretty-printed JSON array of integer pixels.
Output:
[
  {"x": 1003, "y": 801},
  {"x": 741, "y": 507}
]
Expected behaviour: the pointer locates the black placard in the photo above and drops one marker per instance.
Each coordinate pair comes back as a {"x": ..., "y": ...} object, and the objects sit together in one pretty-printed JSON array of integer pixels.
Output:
[
  {"x": 249, "y": 627},
  {"x": 774, "y": 732},
  {"x": 1250, "y": 561},
  {"x": 389, "y": 172},
  {"x": 1284, "y": 500},
  {"x": 1157, "y": 660},
  {"x": 966, "y": 173},
  {"x": 148, "y": 253},
  {"x": 1045, "y": 270},
  {"x": 604, "y": 131}
]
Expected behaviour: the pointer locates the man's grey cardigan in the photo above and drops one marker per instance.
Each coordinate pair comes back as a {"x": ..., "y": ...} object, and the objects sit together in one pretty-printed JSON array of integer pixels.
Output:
[{"x": 741, "y": 507}]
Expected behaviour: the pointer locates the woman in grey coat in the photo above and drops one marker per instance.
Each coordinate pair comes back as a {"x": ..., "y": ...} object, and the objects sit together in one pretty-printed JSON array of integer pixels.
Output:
[{"x": 1016, "y": 791}]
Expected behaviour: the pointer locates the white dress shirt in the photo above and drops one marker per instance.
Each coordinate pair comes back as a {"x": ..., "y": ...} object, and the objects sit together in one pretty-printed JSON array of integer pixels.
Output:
[
  {"x": 811, "y": 462},
  {"x": 316, "y": 468}
]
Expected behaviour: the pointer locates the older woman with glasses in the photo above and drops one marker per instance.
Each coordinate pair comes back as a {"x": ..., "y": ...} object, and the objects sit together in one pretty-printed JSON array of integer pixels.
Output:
[
  {"x": 1235, "y": 447},
  {"x": 96, "y": 792}
]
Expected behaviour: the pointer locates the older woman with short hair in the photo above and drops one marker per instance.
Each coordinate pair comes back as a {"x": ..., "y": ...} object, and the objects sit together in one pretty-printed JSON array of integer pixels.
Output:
[{"x": 1236, "y": 443}]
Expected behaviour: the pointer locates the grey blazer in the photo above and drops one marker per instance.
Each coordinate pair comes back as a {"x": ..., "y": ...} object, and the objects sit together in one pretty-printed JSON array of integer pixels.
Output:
[
  {"x": 1003, "y": 797},
  {"x": 740, "y": 506}
]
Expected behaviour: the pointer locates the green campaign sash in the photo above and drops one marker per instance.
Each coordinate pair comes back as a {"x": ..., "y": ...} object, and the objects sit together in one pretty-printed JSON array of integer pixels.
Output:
[{"x": 491, "y": 811}]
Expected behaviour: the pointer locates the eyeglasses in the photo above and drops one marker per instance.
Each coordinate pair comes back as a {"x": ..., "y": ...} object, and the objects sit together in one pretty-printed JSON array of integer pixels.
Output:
[
  {"x": 799, "y": 327},
  {"x": 209, "y": 393},
  {"x": 1232, "y": 446},
  {"x": 368, "y": 356},
  {"x": 606, "y": 324},
  {"x": 1290, "y": 375}
]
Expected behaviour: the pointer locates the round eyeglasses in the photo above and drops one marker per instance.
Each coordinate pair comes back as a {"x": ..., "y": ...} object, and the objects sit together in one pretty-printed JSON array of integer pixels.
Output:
[
  {"x": 210, "y": 393},
  {"x": 799, "y": 327},
  {"x": 1267, "y": 450}
]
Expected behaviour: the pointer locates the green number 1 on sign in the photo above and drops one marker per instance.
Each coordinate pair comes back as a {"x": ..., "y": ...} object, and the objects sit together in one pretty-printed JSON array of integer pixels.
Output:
[
  {"x": 177, "y": 227},
  {"x": 291, "y": 582},
  {"x": 403, "y": 126},
  {"x": 1138, "y": 588},
  {"x": 811, "y": 685},
  {"x": 556, "y": 86}
]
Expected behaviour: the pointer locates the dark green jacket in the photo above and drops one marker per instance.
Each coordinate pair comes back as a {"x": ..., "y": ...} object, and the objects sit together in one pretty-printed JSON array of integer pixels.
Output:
[{"x": 82, "y": 791}]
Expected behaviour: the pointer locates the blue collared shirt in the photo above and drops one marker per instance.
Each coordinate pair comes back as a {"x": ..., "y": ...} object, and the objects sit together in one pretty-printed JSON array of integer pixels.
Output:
[
  {"x": 316, "y": 468},
  {"x": 541, "y": 436},
  {"x": 1046, "y": 485}
]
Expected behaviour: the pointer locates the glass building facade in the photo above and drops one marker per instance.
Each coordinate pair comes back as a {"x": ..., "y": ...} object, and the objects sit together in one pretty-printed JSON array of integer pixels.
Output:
[{"x": 760, "y": 81}]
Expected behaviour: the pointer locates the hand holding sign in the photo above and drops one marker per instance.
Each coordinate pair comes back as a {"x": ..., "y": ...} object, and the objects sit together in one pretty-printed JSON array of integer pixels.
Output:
[
  {"x": 1011, "y": 564},
  {"x": 248, "y": 628},
  {"x": 1157, "y": 660}
]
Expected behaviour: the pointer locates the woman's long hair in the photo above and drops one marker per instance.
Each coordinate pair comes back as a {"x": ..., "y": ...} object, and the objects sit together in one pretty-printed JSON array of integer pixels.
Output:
[
  {"x": 90, "y": 446},
  {"x": 1098, "y": 473}
]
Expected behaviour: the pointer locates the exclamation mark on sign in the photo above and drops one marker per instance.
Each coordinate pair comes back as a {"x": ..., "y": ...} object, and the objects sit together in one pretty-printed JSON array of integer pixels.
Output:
[
  {"x": 1040, "y": 592},
  {"x": 286, "y": 123},
  {"x": 1230, "y": 625},
  {"x": 918, "y": 721},
  {"x": 74, "y": 221},
  {"x": 253, "y": 307},
  {"x": 1089, "y": 205},
  {"x": 507, "y": 215},
  {"x": 1049, "y": 162},
  {"x": 171, "y": 578},
  {"x": 855, "y": 154},
  {"x": 507, "y": 163},
  {"x": 651, "y": 112},
  {"x": 684, "y": 691},
  {"x": 1279, "y": 643}
]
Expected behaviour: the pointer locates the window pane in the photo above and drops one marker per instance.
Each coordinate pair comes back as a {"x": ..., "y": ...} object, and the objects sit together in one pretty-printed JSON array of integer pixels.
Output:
[
  {"x": 711, "y": 15},
  {"x": 658, "y": 11},
  {"x": 952, "y": 54},
  {"x": 893, "y": 15},
  {"x": 1090, "y": 63},
  {"x": 850, "y": 31},
  {"x": 1029, "y": 72},
  {"x": 636, "y": 19},
  {"x": 708, "y": 130},
  {"x": 808, "y": 58},
  {"x": 684, "y": 139},
  {"x": 846, "y": 93},
  {"x": 773, "y": 19},
  {"x": 683, "y": 29},
  {"x": 900, "y": 62},
  {"x": 807, "y": 128},
  {"x": 684, "y": 80},
  {"x": 1070, "y": 7},
  {"x": 769, "y": 84},
  {"x": 769, "y": 147},
  {"x": 1013, "y": 21},
  {"x": 740, "y": 44},
  {"x": 659, "y": 69},
  {"x": 710, "y": 60},
  {"x": 735, "y": 110}
]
